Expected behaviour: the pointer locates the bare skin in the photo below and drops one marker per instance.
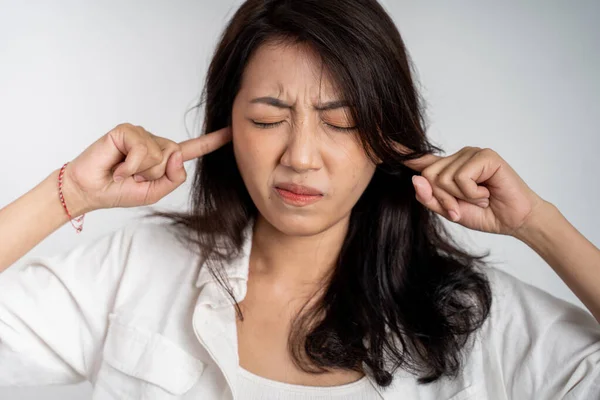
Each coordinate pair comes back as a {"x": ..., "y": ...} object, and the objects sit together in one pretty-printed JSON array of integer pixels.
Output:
[
  {"x": 89, "y": 183},
  {"x": 268, "y": 310},
  {"x": 293, "y": 247}
]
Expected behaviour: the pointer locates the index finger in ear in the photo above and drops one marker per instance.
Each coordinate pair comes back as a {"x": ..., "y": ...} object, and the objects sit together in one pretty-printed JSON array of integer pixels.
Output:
[
  {"x": 418, "y": 164},
  {"x": 197, "y": 147}
]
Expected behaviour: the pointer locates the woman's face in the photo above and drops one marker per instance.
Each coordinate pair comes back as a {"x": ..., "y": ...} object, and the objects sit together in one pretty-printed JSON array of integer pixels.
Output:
[{"x": 304, "y": 145}]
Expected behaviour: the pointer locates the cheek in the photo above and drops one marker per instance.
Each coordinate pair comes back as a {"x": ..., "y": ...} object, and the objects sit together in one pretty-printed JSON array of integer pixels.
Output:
[
  {"x": 253, "y": 156},
  {"x": 361, "y": 176},
  {"x": 351, "y": 170},
  {"x": 244, "y": 154}
]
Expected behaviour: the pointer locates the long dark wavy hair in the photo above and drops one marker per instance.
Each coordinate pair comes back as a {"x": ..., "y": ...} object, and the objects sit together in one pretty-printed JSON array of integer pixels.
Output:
[{"x": 402, "y": 294}]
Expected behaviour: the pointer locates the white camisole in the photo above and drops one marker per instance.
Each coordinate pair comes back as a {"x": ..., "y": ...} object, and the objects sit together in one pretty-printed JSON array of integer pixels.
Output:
[{"x": 255, "y": 387}]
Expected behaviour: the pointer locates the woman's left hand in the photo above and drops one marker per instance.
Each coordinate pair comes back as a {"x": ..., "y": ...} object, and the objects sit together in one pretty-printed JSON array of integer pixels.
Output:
[{"x": 470, "y": 176}]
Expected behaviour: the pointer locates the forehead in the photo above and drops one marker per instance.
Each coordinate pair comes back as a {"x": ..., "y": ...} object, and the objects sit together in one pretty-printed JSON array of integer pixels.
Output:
[{"x": 278, "y": 68}]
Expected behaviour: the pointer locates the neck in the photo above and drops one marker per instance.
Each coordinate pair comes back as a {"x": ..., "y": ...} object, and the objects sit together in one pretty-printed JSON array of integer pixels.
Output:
[{"x": 293, "y": 260}]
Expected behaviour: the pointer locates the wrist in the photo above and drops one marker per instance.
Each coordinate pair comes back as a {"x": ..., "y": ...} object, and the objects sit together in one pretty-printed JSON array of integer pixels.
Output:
[
  {"x": 73, "y": 198},
  {"x": 538, "y": 222}
]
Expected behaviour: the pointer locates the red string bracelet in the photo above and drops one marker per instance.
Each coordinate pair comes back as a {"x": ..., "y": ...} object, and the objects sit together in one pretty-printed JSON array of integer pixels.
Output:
[{"x": 79, "y": 219}]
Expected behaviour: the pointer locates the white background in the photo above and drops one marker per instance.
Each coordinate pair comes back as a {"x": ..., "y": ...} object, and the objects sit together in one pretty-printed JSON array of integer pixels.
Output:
[{"x": 519, "y": 78}]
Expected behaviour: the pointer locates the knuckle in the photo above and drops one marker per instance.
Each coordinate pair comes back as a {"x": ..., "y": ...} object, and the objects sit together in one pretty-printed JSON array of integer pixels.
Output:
[
  {"x": 445, "y": 179},
  {"x": 428, "y": 173},
  {"x": 156, "y": 156},
  {"x": 443, "y": 201},
  {"x": 154, "y": 153},
  {"x": 156, "y": 150},
  {"x": 170, "y": 148},
  {"x": 443, "y": 197},
  {"x": 486, "y": 151},
  {"x": 461, "y": 176},
  {"x": 174, "y": 146},
  {"x": 124, "y": 126},
  {"x": 462, "y": 181}
]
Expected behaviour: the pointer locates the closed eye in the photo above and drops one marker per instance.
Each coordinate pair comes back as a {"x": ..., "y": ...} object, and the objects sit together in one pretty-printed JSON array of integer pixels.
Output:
[
  {"x": 267, "y": 125},
  {"x": 341, "y": 128}
]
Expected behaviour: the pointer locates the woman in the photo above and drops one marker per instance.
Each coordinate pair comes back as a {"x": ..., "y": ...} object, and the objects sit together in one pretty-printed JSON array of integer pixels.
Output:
[{"x": 313, "y": 263}]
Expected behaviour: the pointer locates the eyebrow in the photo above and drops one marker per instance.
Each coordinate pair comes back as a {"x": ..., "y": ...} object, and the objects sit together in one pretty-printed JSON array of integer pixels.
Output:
[{"x": 272, "y": 101}]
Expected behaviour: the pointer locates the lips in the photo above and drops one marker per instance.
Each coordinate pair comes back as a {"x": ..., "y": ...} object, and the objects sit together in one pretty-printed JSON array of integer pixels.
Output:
[{"x": 300, "y": 189}]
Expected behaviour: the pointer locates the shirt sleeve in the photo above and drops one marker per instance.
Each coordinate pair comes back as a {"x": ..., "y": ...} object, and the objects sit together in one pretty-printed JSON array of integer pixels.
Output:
[
  {"x": 548, "y": 348},
  {"x": 54, "y": 311}
]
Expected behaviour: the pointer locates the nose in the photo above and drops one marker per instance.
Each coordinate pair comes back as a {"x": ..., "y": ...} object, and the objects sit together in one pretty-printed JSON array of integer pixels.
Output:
[{"x": 302, "y": 151}]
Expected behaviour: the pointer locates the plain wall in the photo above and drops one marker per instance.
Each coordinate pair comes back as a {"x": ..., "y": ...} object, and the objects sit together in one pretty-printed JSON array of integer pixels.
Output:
[{"x": 519, "y": 78}]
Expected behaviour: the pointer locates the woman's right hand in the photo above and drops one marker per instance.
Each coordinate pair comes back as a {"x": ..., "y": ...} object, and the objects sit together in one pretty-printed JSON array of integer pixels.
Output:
[{"x": 129, "y": 150}]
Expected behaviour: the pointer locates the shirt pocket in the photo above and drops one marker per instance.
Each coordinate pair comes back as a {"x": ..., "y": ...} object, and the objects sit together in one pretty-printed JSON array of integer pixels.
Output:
[{"x": 141, "y": 364}]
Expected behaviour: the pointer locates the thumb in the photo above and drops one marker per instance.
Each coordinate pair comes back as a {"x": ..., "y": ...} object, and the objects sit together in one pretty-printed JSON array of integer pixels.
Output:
[
  {"x": 175, "y": 172},
  {"x": 423, "y": 189},
  {"x": 175, "y": 175}
]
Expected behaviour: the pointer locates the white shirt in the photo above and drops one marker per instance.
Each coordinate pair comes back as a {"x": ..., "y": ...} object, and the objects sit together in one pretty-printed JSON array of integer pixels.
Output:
[{"x": 133, "y": 313}]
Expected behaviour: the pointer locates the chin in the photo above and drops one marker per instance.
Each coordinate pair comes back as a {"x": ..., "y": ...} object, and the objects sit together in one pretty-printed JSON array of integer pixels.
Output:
[{"x": 297, "y": 224}]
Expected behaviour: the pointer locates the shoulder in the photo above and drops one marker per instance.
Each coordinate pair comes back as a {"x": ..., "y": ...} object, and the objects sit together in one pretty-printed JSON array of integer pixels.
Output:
[
  {"x": 151, "y": 238},
  {"x": 538, "y": 342},
  {"x": 523, "y": 313},
  {"x": 152, "y": 252},
  {"x": 511, "y": 294},
  {"x": 157, "y": 265}
]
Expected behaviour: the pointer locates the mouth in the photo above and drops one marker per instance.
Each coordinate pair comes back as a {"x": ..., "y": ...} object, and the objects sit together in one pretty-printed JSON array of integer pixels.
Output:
[
  {"x": 299, "y": 189},
  {"x": 298, "y": 195}
]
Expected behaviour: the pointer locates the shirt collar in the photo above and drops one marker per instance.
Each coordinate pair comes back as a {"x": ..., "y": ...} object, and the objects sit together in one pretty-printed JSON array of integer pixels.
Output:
[
  {"x": 236, "y": 270},
  {"x": 212, "y": 294}
]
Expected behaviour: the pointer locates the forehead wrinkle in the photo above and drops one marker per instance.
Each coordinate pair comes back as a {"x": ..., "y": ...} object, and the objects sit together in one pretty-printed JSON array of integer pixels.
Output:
[
  {"x": 305, "y": 55},
  {"x": 277, "y": 87}
]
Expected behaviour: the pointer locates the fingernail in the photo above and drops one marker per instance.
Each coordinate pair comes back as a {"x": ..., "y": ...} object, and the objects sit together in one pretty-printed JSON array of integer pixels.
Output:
[
  {"x": 416, "y": 184},
  {"x": 118, "y": 178},
  {"x": 453, "y": 215},
  {"x": 483, "y": 203},
  {"x": 138, "y": 178}
]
